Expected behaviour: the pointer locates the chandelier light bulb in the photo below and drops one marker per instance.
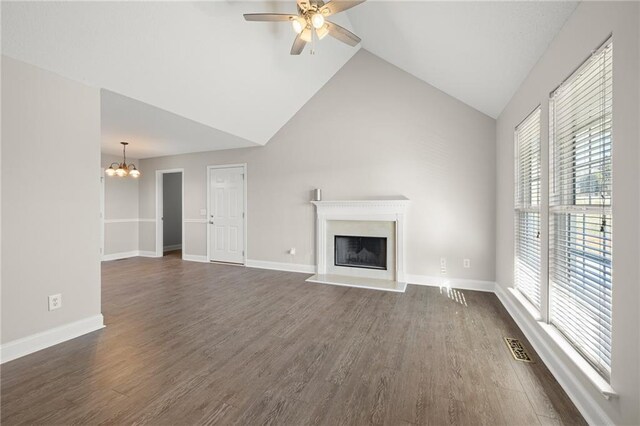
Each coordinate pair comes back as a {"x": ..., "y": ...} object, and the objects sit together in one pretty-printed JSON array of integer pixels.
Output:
[
  {"x": 134, "y": 173},
  {"x": 110, "y": 171},
  {"x": 317, "y": 20},
  {"x": 121, "y": 172}
]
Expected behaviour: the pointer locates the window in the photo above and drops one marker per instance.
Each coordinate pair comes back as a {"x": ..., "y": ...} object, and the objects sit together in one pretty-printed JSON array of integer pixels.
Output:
[
  {"x": 580, "y": 283},
  {"x": 527, "y": 205}
]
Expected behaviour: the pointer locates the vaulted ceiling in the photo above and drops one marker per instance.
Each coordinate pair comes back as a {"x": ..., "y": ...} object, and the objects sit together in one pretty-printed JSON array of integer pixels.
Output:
[{"x": 199, "y": 69}]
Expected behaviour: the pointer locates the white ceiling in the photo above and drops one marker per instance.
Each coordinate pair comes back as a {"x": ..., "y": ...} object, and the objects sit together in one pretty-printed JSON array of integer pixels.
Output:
[
  {"x": 153, "y": 132},
  {"x": 200, "y": 60},
  {"x": 478, "y": 52},
  {"x": 195, "y": 76}
]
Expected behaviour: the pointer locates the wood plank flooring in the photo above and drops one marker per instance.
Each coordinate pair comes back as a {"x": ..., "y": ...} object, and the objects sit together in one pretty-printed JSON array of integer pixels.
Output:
[{"x": 195, "y": 343}]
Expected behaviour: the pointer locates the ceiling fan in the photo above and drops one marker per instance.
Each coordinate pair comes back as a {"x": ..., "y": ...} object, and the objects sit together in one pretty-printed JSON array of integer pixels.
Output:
[{"x": 311, "y": 22}]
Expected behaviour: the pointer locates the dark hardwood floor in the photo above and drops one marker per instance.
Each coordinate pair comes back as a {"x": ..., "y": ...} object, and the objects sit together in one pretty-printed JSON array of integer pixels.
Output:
[{"x": 195, "y": 343}]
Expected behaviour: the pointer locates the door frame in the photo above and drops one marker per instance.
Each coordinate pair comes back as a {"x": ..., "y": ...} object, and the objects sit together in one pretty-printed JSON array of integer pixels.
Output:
[
  {"x": 246, "y": 214},
  {"x": 159, "y": 210}
]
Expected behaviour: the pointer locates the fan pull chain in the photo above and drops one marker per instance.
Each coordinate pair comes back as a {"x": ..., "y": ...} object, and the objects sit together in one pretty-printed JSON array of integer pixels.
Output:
[{"x": 313, "y": 41}]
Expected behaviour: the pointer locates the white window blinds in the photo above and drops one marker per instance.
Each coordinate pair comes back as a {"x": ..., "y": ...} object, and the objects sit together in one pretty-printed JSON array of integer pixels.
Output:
[
  {"x": 527, "y": 200},
  {"x": 580, "y": 282}
]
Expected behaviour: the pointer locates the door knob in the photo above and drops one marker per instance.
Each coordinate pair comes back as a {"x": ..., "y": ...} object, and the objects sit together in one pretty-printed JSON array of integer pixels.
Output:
[{"x": 211, "y": 222}]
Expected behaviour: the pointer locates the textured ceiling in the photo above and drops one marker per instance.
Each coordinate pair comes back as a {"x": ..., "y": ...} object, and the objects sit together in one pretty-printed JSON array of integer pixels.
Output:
[
  {"x": 195, "y": 76},
  {"x": 200, "y": 60},
  {"x": 478, "y": 52},
  {"x": 154, "y": 132}
]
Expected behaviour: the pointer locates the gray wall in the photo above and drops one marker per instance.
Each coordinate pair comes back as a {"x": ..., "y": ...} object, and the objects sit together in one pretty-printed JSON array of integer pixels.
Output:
[
  {"x": 120, "y": 209},
  {"x": 584, "y": 31},
  {"x": 373, "y": 130},
  {"x": 50, "y": 199},
  {"x": 172, "y": 209}
]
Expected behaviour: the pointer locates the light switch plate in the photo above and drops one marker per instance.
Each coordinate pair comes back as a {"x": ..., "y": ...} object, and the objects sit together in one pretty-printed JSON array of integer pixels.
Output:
[{"x": 466, "y": 263}]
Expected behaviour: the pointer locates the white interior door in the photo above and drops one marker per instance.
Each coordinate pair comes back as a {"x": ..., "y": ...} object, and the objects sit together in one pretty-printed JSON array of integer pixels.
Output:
[{"x": 226, "y": 214}]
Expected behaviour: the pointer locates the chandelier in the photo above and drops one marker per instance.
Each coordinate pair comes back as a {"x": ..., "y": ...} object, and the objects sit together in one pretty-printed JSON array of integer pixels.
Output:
[{"x": 123, "y": 169}]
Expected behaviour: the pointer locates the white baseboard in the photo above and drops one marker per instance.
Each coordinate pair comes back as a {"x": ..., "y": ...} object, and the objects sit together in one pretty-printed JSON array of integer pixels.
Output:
[
  {"x": 195, "y": 258},
  {"x": 459, "y": 283},
  {"x": 172, "y": 247},
  {"x": 117, "y": 256},
  {"x": 279, "y": 266},
  {"x": 35, "y": 342},
  {"x": 128, "y": 254},
  {"x": 584, "y": 402}
]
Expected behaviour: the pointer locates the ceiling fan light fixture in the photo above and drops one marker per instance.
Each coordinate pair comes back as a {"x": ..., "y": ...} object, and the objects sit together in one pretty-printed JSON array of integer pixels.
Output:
[
  {"x": 317, "y": 20},
  {"x": 298, "y": 24}
]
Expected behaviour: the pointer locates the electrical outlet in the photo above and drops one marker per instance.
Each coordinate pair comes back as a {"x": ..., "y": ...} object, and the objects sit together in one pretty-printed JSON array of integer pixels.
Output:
[
  {"x": 292, "y": 251},
  {"x": 466, "y": 263},
  {"x": 443, "y": 265},
  {"x": 55, "y": 302}
]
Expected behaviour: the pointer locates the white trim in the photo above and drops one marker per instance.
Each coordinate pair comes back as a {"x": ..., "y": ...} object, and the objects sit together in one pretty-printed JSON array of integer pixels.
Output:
[
  {"x": 44, "y": 339},
  {"x": 159, "y": 210},
  {"x": 194, "y": 258},
  {"x": 356, "y": 282},
  {"x": 280, "y": 266},
  {"x": 128, "y": 254},
  {"x": 459, "y": 283},
  {"x": 195, "y": 220},
  {"x": 246, "y": 207},
  {"x": 560, "y": 369},
  {"x": 127, "y": 220},
  {"x": 530, "y": 308},
  {"x": 172, "y": 247},
  {"x": 121, "y": 255}
]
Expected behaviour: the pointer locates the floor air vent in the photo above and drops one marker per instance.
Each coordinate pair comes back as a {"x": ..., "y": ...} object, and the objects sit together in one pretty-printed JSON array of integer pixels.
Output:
[{"x": 517, "y": 350}]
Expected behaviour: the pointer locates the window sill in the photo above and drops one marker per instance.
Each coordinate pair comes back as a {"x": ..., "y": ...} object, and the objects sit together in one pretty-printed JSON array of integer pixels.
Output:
[
  {"x": 561, "y": 342},
  {"x": 591, "y": 373},
  {"x": 531, "y": 309}
]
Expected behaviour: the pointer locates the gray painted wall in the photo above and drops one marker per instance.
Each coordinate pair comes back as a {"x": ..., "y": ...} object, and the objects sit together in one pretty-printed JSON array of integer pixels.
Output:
[
  {"x": 373, "y": 130},
  {"x": 50, "y": 220},
  {"x": 172, "y": 209},
  {"x": 121, "y": 205},
  {"x": 587, "y": 28}
]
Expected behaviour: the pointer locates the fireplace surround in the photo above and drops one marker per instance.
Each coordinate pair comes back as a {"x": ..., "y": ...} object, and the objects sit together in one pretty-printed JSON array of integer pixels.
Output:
[{"x": 368, "y": 223}]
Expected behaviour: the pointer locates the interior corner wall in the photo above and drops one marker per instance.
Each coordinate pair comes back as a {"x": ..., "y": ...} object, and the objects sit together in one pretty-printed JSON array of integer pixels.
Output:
[
  {"x": 586, "y": 29},
  {"x": 120, "y": 211},
  {"x": 50, "y": 201},
  {"x": 372, "y": 131}
]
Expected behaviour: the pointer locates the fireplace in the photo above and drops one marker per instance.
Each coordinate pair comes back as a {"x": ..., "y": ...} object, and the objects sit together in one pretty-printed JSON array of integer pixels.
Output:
[{"x": 360, "y": 252}]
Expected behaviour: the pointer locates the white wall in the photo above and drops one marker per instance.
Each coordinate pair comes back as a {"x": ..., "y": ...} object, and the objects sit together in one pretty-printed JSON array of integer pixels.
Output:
[
  {"x": 373, "y": 130},
  {"x": 588, "y": 27},
  {"x": 50, "y": 200},
  {"x": 120, "y": 210}
]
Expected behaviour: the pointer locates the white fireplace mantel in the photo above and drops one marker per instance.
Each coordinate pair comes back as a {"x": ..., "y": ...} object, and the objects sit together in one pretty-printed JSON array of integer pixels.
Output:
[{"x": 392, "y": 210}]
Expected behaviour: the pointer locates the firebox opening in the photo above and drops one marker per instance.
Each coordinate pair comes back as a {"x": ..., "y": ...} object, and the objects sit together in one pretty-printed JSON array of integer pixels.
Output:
[{"x": 360, "y": 252}]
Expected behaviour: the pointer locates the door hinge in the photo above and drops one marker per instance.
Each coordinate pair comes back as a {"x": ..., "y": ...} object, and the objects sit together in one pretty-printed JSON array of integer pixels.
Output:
[
  {"x": 243, "y": 215},
  {"x": 243, "y": 252},
  {"x": 242, "y": 175}
]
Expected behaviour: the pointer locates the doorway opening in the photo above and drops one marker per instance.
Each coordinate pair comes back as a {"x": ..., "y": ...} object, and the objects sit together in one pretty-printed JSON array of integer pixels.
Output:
[{"x": 169, "y": 212}]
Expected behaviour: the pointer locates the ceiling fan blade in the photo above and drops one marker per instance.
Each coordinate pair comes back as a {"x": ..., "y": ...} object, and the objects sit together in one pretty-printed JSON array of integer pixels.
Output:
[
  {"x": 298, "y": 45},
  {"x": 342, "y": 34},
  {"x": 269, "y": 17},
  {"x": 335, "y": 6}
]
